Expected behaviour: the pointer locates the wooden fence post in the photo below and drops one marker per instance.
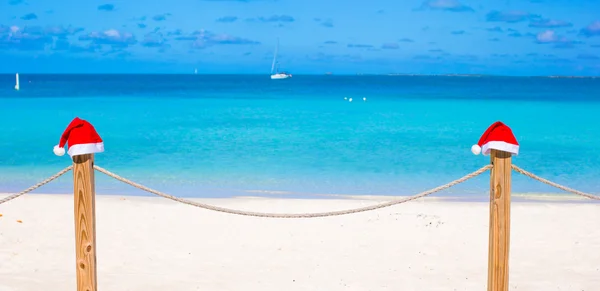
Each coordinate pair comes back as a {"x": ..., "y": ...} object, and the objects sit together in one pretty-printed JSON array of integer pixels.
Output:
[
  {"x": 499, "y": 240},
  {"x": 85, "y": 221}
]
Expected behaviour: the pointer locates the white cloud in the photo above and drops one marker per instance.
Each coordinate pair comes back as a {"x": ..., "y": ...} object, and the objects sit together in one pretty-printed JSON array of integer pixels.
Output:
[{"x": 547, "y": 36}]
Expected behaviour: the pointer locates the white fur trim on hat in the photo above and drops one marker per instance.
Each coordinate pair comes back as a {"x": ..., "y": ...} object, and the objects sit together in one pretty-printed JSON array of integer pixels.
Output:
[
  {"x": 59, "y": 151},
  {"x": 501, "y": 146},
  {"x": 476, "y": 149},
  {"x": 86, "y": 148}
]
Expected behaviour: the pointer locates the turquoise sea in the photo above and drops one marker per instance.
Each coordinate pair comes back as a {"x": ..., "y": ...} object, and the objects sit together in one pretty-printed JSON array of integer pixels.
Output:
[{"x": 226, "y": 135}]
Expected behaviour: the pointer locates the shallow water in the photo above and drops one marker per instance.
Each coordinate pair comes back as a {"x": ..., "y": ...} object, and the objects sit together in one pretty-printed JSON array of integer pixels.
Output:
[{"x": 214, "y": 136}]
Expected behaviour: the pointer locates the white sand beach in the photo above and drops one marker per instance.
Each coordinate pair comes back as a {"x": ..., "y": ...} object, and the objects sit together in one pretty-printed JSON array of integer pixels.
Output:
[{"x": 149, "y": 243}]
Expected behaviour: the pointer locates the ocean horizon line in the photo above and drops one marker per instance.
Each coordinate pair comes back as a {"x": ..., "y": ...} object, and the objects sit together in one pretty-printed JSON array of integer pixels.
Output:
[{"x": 308, "y": 74}]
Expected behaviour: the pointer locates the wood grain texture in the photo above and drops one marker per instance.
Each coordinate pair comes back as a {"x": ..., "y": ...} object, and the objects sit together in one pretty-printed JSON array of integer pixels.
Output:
[
  {"x": 499, "y": 240},
  {"x": 85, "y": 222}
]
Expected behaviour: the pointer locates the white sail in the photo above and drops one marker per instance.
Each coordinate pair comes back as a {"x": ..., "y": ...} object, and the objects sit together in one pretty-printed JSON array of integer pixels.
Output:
[
  {"x": 17, "y": 87},
  {"x": 275, "y": 57}
]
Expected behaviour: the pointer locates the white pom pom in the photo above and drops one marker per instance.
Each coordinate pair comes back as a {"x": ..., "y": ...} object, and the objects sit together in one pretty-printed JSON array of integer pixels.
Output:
[
  {"x": 475, "y": 149},
  {"x": 59, "y": 151}
]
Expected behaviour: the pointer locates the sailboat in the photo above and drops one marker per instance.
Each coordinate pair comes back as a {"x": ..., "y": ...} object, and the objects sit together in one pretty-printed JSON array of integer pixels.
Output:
[
  {"x": 275, "y": 67},
  {"x": 17, "y": 87}
]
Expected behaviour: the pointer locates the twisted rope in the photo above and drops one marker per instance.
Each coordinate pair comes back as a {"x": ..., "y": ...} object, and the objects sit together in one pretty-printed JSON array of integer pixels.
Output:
[
  {"x": 561, "y": 187},
  {"x": 38, "y": 185},
  {"x": 299, "y": 215}
]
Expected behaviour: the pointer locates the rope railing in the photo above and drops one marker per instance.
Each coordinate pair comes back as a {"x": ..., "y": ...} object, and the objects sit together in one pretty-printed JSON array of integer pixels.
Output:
[
  {"x": 302, "y": 215},
  {"x": 294, "y": 215},
  {"x": 38, "y": 185},
  {"x": 556, "y": 185}
]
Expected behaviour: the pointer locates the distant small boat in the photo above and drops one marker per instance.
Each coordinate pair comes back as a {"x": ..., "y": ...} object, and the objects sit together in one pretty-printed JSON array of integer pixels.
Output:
[
  {"x": 17, "y": 87},
  {"x": 282, "y": 75},
  {"x": 275, "y": 67}
]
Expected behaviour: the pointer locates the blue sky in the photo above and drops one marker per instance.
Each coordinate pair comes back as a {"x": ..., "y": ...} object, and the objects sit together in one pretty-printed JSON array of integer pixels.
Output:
[{"x": 528, "y": 37}]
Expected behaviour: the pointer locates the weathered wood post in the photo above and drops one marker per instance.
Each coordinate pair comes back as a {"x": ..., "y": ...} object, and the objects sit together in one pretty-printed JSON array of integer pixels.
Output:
[
  {"x": 499, "y": 241},
  {"x": 85, "y": 222},
  {"x": 83, "y": 143},
  {"x": 498, "y": 140}
]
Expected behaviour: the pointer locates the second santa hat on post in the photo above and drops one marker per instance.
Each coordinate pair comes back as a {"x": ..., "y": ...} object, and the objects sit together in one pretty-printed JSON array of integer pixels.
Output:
[
  {"x": 82, "y": 139},
  {"x": 498, "y": 137}
]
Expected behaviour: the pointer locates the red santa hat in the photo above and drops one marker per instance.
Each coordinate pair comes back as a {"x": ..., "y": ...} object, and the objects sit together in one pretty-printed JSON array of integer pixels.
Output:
[
  {"x": 498, "y": 137},
  {"x": 82, "y": 138}
]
